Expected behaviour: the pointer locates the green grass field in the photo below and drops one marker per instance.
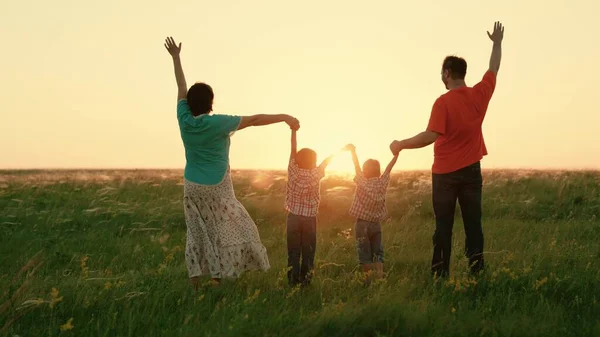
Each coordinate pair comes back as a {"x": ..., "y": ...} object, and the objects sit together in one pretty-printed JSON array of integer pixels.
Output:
[{"x": 87, "y": 253}]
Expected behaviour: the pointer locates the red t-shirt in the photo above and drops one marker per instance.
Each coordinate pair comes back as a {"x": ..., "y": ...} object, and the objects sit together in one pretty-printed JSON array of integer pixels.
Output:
[{"x": 457, "y": 116}]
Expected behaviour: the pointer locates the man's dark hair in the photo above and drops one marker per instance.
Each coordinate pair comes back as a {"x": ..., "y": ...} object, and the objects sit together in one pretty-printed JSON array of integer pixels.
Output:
[
  {"x": 457, "y": 66},
  {"x": 200, "y": 99}
]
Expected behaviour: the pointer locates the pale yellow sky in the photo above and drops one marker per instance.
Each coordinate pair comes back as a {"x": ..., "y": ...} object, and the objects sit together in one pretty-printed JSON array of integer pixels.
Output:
[{"x": 89, "y": 84}]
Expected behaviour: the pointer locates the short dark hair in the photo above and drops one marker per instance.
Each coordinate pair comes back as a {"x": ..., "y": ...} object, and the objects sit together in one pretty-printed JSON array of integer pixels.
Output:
[
  {"x": 306, "y": 159},
  {"x": 200, "y": 99},
  {"x": 457, "y": 66},
  {"x": 371, "y": 168}
]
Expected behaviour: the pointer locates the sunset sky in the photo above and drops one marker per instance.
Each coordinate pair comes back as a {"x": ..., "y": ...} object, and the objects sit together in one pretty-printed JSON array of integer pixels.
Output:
[{"x": 88, "y": 84}]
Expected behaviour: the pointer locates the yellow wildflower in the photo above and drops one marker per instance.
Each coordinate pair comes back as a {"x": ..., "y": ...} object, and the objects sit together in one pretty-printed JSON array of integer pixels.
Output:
[
  {"x": 252, "y": 297},
  {"x": 55, "y": 298},
  {"x": 293, "y": 292},
  {"x": 540, "y": 283},
  {"x": 457, "y": 285},
  {"x": 67, "y": 326},
  {"x": 453, "y": 310},
  {"x": 107, "y": 285},
  {"x": 84, "y": 267},
  {"x": 509, "y": 257}
]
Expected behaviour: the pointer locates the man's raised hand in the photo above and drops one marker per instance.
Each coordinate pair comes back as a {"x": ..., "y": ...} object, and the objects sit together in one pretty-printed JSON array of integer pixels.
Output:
[{"x": 498, "y": 33}]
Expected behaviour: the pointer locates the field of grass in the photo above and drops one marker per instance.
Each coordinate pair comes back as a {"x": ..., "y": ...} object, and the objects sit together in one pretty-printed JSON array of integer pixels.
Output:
[{"x": 100, "y": 253}]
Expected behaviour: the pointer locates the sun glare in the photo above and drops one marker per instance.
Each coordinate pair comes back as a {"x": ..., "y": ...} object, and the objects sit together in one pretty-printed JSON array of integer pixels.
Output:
[{"x": 342, "y": 163}]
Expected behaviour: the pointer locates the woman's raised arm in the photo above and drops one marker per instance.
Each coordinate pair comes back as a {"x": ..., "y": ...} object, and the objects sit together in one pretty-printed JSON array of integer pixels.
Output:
[
  {"x": 174, "y": 50},
  {"x": 259, "y": 120}
]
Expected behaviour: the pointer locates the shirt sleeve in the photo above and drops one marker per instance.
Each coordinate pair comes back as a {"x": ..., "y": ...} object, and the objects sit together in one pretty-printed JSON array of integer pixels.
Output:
[
  {"x": 292, "y": 165},
  {"x": 321, "y": 172},
  {"x": 322, "y": 167},
  {"x": 223, "y": 125},
  {"x": 485, "y": 88},
  {"x": 385, "y": 180},
  {"x": 439, "y": 114},
  {"x": 358, "y": 179},
  {"x": 183, "y": 109}
]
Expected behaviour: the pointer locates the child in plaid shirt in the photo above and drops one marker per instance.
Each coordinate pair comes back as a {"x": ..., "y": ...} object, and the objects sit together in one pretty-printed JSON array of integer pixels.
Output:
[
  {"x": 369, "y": 209},
  {"x": 302, "y": 204}
]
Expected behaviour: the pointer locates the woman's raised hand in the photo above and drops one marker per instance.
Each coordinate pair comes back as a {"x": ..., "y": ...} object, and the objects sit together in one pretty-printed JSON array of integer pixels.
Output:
[{"x": 172, "y": 47}]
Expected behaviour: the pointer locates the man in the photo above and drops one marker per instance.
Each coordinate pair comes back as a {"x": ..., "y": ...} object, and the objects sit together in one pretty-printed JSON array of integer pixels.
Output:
[{"x": 455, "y": 127}]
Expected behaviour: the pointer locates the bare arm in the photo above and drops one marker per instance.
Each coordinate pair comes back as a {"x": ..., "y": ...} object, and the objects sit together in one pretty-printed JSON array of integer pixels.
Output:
[
  {"x": 326, "y": 162},
  {"x": 390, "y": 166},
  {"x": 259, "y": 120},
  {"x": 174, "y": 50},
  {"x": 352, "y": 150},
  {"x": 496, "y": 36},
  {"x": 423, "y": 139},
  {"x": 294, "y": 145}
]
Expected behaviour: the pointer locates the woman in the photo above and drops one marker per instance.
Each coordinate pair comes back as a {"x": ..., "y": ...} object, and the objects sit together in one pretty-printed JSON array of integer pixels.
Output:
[{"x": 222, "y": 239}]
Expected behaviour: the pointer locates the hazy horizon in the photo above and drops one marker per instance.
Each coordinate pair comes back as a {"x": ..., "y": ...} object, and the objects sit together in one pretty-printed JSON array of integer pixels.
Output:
[
  {"x": 90, "y": 85},
  {"x": 283, "y": 169}
]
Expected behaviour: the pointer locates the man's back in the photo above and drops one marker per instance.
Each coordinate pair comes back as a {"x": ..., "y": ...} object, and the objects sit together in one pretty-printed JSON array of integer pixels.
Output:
[{"x": 457, "y": 116}]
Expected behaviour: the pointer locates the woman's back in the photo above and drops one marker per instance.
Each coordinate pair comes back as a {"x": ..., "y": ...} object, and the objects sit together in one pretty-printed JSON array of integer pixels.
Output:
[{"x": 206, "y": 142}]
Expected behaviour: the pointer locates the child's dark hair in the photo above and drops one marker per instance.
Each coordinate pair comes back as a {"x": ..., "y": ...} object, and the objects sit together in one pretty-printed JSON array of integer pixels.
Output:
[
  {"x": 200, "y": 99},
  {"x": 306, "y": 159},
  {"x": 371, "y": 168}
]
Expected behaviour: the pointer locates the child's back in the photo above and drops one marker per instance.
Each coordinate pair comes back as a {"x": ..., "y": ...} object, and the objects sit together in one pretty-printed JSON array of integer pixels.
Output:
[
  {"x": 303, "y": 193},
  {"x": 369, "y": 209},
  {"x": 369, "y": 198},
  {"x": 302, "y": 203}
]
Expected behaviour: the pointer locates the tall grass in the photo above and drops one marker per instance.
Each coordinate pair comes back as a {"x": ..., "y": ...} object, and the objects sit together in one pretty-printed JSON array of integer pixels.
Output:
[{"x": 99, "y": 253}]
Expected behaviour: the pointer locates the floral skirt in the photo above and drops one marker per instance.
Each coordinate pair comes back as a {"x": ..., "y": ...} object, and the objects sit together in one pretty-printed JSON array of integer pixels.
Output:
[{"x": 222, "y": 238}]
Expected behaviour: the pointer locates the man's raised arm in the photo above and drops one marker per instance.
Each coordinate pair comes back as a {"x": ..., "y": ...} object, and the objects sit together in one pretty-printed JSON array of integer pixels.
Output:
[{"x": 496, "y": 36}]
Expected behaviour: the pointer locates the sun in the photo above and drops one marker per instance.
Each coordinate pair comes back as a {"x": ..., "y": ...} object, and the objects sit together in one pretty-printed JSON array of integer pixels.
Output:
[
  {"x": 332, "y": 144},
  {"x": 342, "y": 163}
]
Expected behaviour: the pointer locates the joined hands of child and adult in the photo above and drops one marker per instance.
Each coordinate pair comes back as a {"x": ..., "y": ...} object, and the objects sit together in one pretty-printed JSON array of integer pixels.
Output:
[{"x": 293, "y": 123}]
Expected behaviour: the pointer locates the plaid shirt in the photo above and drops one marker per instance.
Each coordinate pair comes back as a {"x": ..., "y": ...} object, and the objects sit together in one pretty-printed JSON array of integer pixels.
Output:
[
  {"x": 303, "y": 190},
  {"x": 369, "y": 198}
]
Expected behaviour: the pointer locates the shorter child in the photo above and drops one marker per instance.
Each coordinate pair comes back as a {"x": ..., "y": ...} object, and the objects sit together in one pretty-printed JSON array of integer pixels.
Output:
[
  {"x": 302, "y": 204},
  {"x": 369, "y": 209}
]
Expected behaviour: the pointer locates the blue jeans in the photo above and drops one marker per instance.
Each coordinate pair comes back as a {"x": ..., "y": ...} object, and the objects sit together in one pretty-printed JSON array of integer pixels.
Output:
[
  {"x": 464, "y": 185},
  {"x": 369, "y": 245},
  {"x": 301, "y": 244}
]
